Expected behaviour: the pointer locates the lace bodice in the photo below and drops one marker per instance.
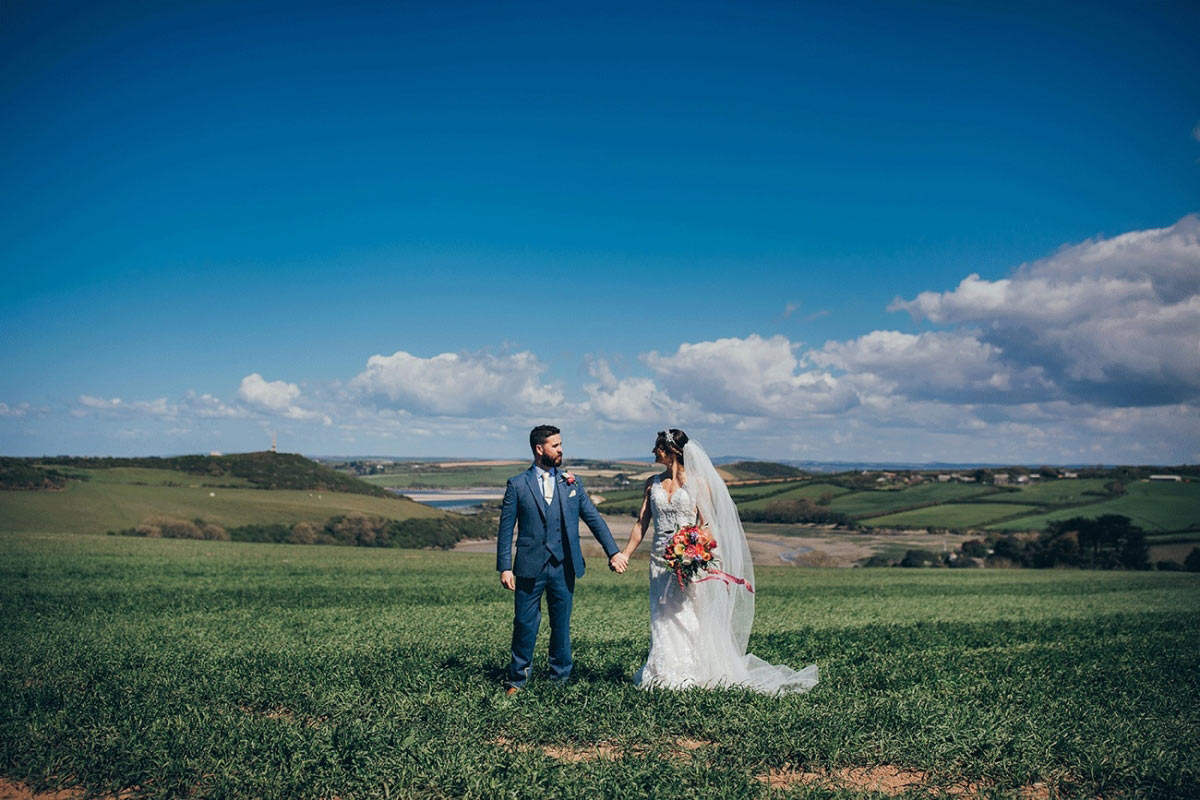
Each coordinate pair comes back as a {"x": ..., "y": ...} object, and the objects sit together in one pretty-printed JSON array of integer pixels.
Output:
[{"x": 670, "y": 514}]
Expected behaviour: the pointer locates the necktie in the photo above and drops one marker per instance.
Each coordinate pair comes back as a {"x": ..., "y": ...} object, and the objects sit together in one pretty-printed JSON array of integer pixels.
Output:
[{"x": 547, "y": 487}]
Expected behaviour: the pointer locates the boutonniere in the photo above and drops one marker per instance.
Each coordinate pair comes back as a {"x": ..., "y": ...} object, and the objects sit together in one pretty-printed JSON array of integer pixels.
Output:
[{"x": 568, "y": 479}]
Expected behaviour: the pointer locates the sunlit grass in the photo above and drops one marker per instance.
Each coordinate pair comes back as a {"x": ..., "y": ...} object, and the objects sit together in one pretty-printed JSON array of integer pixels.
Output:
[{"x": 226, "y": 669}]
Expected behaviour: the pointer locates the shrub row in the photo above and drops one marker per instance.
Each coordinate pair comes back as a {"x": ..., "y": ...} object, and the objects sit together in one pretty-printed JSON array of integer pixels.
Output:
[
  {"x": 354, "y": 529},
  {"x": 801, "y": 510}
]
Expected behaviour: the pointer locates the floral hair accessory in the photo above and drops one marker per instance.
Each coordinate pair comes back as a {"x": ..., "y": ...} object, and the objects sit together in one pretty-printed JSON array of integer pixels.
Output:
[{"x": 670, "y": 437}]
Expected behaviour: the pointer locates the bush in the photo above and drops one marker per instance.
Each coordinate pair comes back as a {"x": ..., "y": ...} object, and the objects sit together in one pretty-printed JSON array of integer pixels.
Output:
[
  {"x": 974, "y": 548},
  {"x": 1168, "y": 566},
  {"x": 304, "y": 533},
  {"x": 792, "y": 511},
  {"x": 918, "y": 558},
  {"x": 213, "y": 531},
  {"x": 358, "y": 529},
  {"x": 1192, "y": 562},
  {"x": 169, "y": 528},
  {"x": 1011, "y": 548},
  {"x": 273, "y": 534},
  {"x": 877, "y": 561}
]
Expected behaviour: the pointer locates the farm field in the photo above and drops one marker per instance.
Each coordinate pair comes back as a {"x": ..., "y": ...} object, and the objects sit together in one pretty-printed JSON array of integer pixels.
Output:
[
  {"x": 1055, "y": 492},
  {"x": 446, "y": 477},
  {"x": 1156, "y": 507},
  {"x": 217, "y": 669},
  {"x": 951, "y": 515},
  {"x": 879, "y": 501},
  {"x": 121, "y": 498},
  {"x": 473, "y": 476},
  {"x": 809, "y": 490}
]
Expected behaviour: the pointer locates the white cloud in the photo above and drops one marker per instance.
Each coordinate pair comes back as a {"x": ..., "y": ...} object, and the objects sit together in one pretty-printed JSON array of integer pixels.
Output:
[
  {"x": 208, "y": 406},
  {"x": 1114, "y": 321},
  {"x": 460, "y": 384},
  {"x": 14, "y": 411},
  {"x": 628, "y": 399},
  {"x": 750, "y": 377},
  {"x": 272, "y": 395},
  {"x": 277, "y": 397},
  {"x": 90, "y": 401},
  {"x": 933, "y": 364},
  {"x": 159, "y": 407}
]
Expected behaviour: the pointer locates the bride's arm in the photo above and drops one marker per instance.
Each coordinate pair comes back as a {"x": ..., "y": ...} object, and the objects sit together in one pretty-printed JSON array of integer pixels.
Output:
[
  {"x": 639, "y": 527},
  {"x": 703, "y": 499}
]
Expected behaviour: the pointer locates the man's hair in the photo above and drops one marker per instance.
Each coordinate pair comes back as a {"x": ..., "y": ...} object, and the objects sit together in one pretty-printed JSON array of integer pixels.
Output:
[{"x": 540, "y": 434}]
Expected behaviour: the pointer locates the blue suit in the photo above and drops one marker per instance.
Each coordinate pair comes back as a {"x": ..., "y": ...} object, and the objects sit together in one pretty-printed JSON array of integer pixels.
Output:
[{"x": 548, "y": 561}]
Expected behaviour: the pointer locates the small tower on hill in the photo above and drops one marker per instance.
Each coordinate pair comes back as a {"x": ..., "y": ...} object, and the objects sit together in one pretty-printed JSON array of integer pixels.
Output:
[{"x": 273, "y": 449}]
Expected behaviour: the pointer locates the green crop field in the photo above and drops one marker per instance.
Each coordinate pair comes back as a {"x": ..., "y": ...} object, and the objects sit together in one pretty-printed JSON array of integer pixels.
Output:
[
  {"x": 756, "y": 491},
  {"x": 1057, "y": 492},
  {"x": 121, "y": 498},
  {"x": 877, "y": 502},
  {"x": 1156, "y": 507},
  {"x": 431, "y": 477},
  {"x": 806, "y": 491},
  {"x": 950, "y": 515},
  {"x": 214, "y": 669}
]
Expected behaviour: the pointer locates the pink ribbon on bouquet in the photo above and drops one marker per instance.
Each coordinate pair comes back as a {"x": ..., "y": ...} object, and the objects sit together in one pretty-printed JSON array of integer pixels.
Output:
[{"x": 718, "y": 575}]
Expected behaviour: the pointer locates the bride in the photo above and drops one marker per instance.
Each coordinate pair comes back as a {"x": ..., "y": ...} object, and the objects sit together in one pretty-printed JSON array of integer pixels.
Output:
[{"x": 698, "y": 634}]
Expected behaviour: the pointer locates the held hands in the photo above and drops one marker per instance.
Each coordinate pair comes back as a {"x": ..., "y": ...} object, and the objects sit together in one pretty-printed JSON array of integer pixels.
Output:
[{"x": 618, "y": 563}]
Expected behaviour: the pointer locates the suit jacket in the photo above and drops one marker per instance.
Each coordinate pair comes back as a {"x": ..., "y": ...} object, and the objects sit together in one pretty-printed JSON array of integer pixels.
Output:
[{"x": 525, "y": 507}]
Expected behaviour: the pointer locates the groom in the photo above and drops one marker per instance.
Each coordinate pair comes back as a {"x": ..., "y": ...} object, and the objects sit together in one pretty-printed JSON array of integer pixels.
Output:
[{"x": 546, "y": 504}]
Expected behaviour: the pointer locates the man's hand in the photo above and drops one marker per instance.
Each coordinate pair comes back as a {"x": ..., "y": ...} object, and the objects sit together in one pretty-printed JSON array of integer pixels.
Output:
[
  {"x": 618, "y": 563},
  {"x": 508, "y": 580}
]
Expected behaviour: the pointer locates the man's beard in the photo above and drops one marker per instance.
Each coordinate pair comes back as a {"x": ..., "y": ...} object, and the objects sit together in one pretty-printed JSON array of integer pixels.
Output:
[{"x": 546, "y": 461}]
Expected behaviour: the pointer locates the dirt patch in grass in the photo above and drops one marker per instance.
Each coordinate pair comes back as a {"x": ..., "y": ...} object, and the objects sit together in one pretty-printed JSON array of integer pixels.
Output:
[
  {"x": 885, "y": 779},
  {"x": 598, "y": 751},
  {"x": 15, "y": 790},
  {"x": 281, "y": 712}
]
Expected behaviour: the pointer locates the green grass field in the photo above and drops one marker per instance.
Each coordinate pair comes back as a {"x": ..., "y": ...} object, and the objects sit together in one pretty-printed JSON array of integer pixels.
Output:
[
  {"x": 216, "y": 669},
  {"x": 950, "y": 515},
  {"x": 1156, "y": 507},
  {"x": 807, "y": 491},
  {"x": 877, "y": 502},
  {"x": 121, "y": 498},
  {"x": 1056, "y": 492}
]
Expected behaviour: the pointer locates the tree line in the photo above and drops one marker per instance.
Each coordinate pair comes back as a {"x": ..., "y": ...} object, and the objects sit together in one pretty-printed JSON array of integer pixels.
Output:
[{"x": 352, "y": 530}]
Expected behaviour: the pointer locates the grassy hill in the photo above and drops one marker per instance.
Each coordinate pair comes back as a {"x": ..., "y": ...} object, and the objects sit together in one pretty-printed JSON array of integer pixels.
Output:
[
  {"x": 760, "y": 470},
  {"x": 1156, "y": 507},
  {"x": 113, "y": 498},
  {"x": 263, "y": 470}
]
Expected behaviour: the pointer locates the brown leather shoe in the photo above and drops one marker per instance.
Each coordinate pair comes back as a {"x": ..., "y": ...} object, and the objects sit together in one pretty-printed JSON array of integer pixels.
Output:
[{"x": 510, "y": 691}]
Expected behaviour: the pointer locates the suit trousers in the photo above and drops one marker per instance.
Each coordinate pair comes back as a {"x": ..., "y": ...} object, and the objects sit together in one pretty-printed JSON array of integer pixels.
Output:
[{"x": 557, "y": 582}]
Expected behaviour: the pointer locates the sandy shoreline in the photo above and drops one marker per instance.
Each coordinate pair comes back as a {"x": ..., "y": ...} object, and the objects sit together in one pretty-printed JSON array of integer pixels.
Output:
[{"x": 441, "y": 495}]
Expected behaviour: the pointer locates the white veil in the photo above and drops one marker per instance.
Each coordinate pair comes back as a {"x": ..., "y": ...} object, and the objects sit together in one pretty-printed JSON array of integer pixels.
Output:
[{"x": 725, "y": 609}]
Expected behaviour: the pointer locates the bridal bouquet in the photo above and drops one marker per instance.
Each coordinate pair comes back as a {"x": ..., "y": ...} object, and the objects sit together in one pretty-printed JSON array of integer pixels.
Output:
[{"x": 690, "y": 552}]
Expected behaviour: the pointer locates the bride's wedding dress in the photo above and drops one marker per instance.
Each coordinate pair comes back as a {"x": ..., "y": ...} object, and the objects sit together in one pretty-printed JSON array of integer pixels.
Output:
[{"x": 698, "y": 634}]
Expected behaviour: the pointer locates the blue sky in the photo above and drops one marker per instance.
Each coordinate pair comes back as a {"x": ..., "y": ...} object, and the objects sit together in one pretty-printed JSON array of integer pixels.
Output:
[{"x": 714, "y": 215}]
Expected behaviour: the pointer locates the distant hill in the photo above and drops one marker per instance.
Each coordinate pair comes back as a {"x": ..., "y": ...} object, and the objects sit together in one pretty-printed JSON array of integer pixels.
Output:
[
  {"x": 116, "y": 498},
  {"x": 261, "y": 470},
  {"x": 757, "y": 470}
]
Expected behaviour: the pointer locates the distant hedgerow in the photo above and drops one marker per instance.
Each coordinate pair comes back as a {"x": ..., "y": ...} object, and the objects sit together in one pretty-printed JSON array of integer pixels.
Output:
[{"x": 353, "y": 530}]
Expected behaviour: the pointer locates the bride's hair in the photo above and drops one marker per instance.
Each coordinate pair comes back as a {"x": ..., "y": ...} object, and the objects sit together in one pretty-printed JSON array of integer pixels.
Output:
[{"x": 672, "y": 440}]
